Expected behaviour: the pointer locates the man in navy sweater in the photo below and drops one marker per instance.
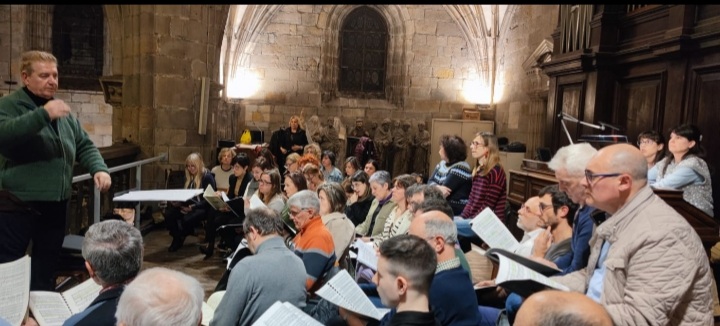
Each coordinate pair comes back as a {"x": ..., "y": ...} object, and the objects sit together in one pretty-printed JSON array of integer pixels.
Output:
[{"x": 452, "y": 297}]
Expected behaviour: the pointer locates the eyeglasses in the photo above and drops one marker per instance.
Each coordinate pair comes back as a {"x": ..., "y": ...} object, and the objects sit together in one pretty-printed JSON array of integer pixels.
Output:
[
  {"x": 263, "y": 182},
  {"x": 592, "y": 176},
  {"x": 477, "y": 144},
  {"x": 527, "y": 210},
  {"x": 544, "y": 207},
  {"x": 645, "y": 141},
  {"x": 295, "y": 213}
]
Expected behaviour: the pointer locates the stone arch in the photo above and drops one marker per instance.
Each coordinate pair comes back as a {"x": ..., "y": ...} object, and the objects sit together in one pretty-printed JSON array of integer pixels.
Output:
[{"x": 399, "y": 44}]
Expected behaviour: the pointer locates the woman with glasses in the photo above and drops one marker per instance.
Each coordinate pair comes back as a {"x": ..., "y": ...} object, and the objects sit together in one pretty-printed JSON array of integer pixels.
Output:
[
  {"x": 238, "y": 182},
  {"x": 182, "y": 218},
  {"x": 358, "y": 204},
  {"x": 269, "y": 192},
  {"x": 684, "y": 169},
  {"x": 291, "y": 163},
  {"x": 452, "y": 176},
  {"x": 332, "y": 211},
  {"x": 314, "y": 176},
  {"x": 652, "y": 146},
  {"x": 489, "y": 186},
  {"x": 381, "y": 188}
]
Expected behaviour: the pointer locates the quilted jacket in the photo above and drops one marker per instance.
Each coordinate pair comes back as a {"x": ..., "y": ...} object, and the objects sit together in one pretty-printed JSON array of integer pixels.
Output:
[{"x": 657, "y": 270}]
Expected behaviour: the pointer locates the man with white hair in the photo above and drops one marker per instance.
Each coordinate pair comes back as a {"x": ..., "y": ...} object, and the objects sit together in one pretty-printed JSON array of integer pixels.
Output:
[
  {"x": 647, "y": 264},
  {"x": 161, "y": 296}
]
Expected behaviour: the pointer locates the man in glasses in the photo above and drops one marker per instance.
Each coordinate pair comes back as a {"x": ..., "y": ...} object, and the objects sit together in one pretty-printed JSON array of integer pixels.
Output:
[
  {"x": 647, "y": 264},
  {"x": 529, "y": 220},
  {"x": 257, "y": 281}
]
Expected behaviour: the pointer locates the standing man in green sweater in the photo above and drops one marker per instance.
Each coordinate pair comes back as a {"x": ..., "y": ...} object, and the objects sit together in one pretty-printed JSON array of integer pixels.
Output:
[{"x": 40, "y": 141}]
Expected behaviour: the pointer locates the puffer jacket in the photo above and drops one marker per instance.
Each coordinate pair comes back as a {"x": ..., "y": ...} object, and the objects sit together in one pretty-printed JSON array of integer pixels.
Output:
[{"x": 657, "y": 272}]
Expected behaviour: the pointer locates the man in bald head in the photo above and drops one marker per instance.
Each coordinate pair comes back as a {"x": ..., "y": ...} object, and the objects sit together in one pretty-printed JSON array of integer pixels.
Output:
[
  {"x": 647, "y": 264},
  {"x": 550, "y": 308}
]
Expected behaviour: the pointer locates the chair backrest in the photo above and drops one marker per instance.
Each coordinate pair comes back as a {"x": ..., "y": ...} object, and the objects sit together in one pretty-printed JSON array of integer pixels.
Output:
[{"x": 174, "y": 179}]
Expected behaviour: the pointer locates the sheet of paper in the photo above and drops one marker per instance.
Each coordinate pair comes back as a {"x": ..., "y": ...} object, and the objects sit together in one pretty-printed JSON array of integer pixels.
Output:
[
  {"x": 491, "y": 230},
  {"x": 285, "y": 314},
  {"x": 366, "y": 254},
  {"x": 343, "y": 291},
  {"x": 159, "y": 195},
  {"x": 82, "y": 295},
  {"x": 49, "y": 308},
  {"x": 15, "y": 290},
  {"x": 256, "y": 202},
  {"x": 509, "y": 270}
]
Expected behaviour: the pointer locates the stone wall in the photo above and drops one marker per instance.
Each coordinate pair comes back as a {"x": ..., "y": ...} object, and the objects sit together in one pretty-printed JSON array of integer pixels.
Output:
[
  {"x": 519, "y": 110},
  {"x": 94, "y": 114},
  {"x": 428, "y": 65}
]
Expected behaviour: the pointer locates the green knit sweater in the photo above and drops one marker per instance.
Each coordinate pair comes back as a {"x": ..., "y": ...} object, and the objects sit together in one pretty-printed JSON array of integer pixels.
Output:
[{"x": 36, "y": 162}]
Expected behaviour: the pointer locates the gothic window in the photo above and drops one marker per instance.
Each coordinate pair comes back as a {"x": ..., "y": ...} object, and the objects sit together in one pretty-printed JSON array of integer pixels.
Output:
[
  {"x": 77, "y": 43},
  {"x": 363, "y": 52}
]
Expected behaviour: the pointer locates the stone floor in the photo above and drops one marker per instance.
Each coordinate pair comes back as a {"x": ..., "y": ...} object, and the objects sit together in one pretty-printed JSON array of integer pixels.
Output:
[{"x": 187, "y": 259}]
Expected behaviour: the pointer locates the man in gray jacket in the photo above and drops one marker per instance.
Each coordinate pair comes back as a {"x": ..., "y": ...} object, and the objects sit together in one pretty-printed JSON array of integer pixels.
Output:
[
  {"x": 273, "y": 273},
  {"x": 647, "y": 265}
]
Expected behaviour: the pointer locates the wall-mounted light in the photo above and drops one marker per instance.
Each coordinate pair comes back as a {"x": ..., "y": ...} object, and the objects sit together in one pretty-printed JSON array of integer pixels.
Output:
[
  {"x": 475, "y": 91},
  {"x": 244, "y": 84}
]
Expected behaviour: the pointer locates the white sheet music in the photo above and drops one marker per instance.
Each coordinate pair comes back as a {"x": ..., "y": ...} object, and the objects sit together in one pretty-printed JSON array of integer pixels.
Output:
[
  {"x": 15, "y": 290},
  {"x": 49, "y": 308},
  {"x": 82, "y": 295},
  {"x": 509, "y": 270},
  {"x": 343, "y": 291},
  {"x": 159, "y": 195},
  {"x": 285, "y": 314},
  {"x": 366, "y": 254},
  {"x": 256, "y": 202},
  {"x": 491, "y": 230}
]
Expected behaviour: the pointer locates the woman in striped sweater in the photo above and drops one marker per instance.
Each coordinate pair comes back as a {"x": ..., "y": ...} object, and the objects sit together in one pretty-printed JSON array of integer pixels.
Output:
[
  {"x": 489, "y": 188},
  {"x": 452, "y": 175}
]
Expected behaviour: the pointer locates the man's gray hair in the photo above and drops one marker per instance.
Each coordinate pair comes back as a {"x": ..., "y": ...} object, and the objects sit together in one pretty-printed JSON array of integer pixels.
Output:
[
  {"x": 305, "y": 199},
  {"x": 381, "y": 177},
  {"x": 440, "y": 224},
  {"x": 161, "y": 296},
  {"x": 265, "y": 220},
  {"x": 428, "y": 191},
  {"x": 573, "y": 159},
  {"x": 114, "y": 249}
]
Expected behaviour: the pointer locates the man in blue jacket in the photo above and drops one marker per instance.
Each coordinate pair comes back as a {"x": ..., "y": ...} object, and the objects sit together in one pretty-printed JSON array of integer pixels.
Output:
[{"x": 40, "y": 141}]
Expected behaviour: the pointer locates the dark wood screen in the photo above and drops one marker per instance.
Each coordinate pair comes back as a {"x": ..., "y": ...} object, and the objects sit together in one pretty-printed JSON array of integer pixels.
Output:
[{"x": 363, "y": 52}]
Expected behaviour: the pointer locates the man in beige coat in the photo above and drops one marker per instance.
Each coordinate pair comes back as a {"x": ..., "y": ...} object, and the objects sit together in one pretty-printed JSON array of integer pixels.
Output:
[{"x": 647, "y": 265}]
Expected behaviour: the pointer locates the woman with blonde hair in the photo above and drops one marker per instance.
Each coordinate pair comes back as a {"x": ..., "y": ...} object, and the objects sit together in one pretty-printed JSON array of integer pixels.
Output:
[
  {"x": 313, "y": 149},
  {"x": 291, "y": 163},
  {"x": 224, "y": 170},
  {"x": 295, "y": 139},
  {"x": 182, "y": 218},
  {"x": 489, "y": 186},
  {"x": 313, "y": 175}
]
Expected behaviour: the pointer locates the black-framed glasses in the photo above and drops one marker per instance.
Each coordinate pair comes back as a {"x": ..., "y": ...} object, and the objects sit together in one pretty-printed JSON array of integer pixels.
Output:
[
  {"x": 590, "y": 176},
  {"x": 645, "y": 141}
]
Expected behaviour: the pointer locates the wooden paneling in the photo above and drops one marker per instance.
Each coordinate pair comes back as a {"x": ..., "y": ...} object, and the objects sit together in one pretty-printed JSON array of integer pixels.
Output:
[{"x": 640, "y": 104}]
